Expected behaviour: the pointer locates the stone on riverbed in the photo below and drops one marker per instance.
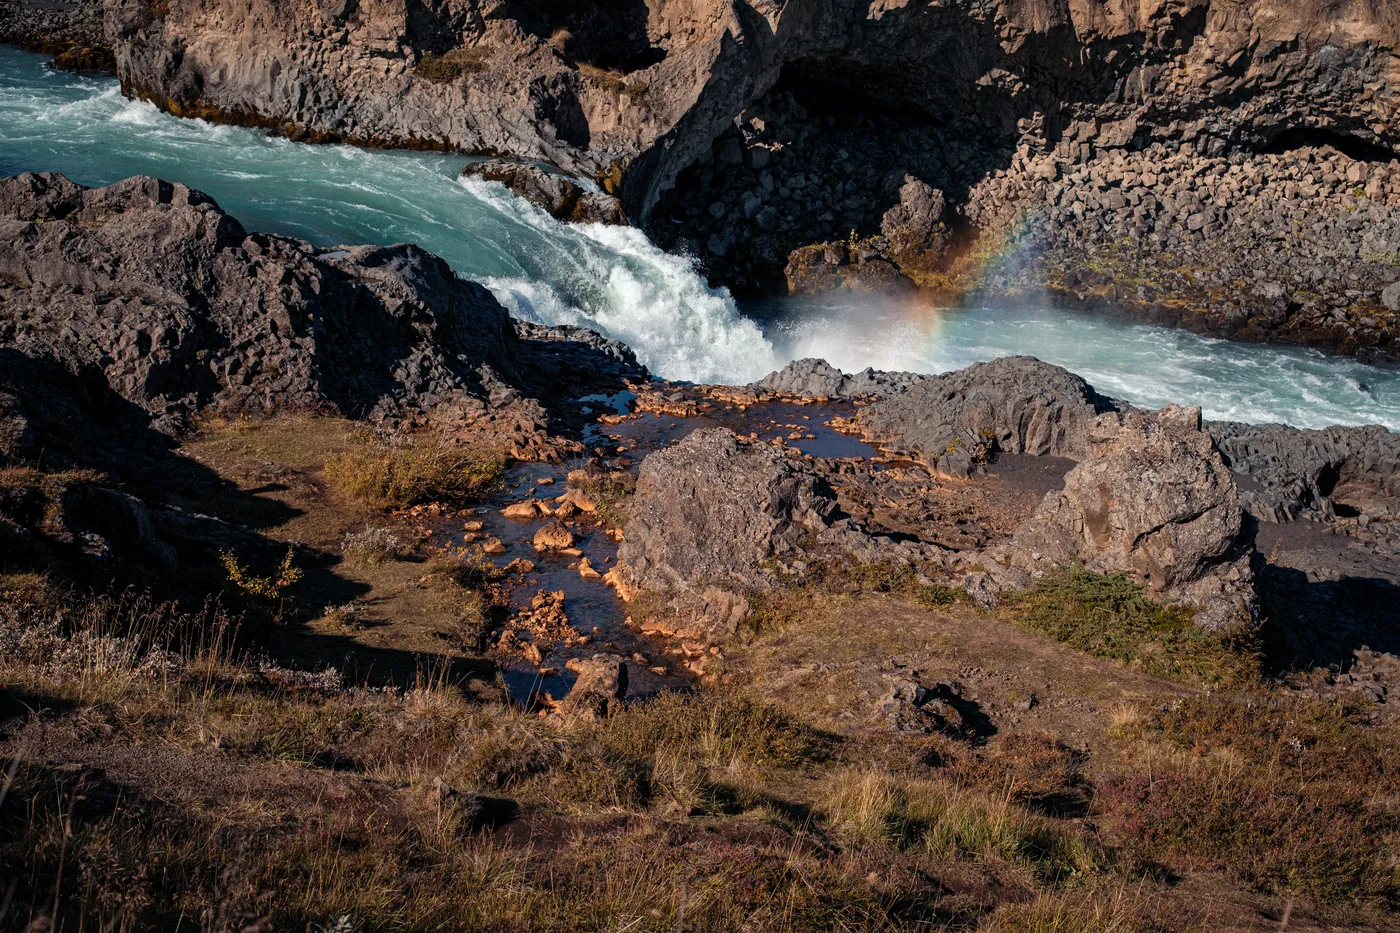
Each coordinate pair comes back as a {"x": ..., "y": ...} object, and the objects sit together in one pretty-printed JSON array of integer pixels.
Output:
[{"x": 554, "y": 537}]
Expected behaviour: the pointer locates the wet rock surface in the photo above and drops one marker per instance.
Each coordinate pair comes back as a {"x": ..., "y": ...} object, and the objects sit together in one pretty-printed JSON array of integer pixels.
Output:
[
  {"x": 812, "y": 378},
  {"x": 564, "y": 198}
]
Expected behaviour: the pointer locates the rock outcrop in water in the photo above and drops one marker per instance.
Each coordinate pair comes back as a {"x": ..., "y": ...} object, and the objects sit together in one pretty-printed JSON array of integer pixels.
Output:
[
  {"x": 179, "y": 308},
  {"x": 960, "y": 420},
  {"x": 1219, "y": 134},
  {"x": 814, "y": 378},
  {"x": 562, "y": 197}
]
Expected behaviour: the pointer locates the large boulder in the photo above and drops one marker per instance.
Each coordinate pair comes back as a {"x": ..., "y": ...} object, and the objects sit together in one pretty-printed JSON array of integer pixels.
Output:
[
  {"x": 915, "y": 229},
  {"x": 563, "y": 197},
  {"x": 715, "y": 510},
  {"x": 1152, "y": 499},
  {"x": 179, "y": 307},
  {"x": 959, "y": 420},
  {"x": 600, "y": 687}
]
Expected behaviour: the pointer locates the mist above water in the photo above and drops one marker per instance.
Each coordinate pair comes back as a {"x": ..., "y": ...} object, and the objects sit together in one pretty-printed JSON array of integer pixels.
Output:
[{"x": 616, "y": 281}]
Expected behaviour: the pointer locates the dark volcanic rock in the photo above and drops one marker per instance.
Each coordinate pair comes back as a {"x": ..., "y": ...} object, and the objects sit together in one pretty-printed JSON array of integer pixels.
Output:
[
  {"x": 812, "y": 378},
  {"x": 562, "y": 197},
  {"x": 1016, "y": 405},
  {"x": 1152, "y": 499},
  {"x": 179, "y": 307},
  {"x": 1351, "y": 473},
  {"x": 87, "y": 483},
  {"x": 1174, "y": 149},
  {"x": 715, "y": 511}
]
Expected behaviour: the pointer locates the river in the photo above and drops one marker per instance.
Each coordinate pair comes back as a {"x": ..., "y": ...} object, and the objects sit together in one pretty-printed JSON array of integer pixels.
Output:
[{"x": 614, "y": 280}]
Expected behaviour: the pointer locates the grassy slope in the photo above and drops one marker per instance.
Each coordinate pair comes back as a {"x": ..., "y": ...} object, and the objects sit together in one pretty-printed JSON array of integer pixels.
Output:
[{"x": 159, "y": 777}]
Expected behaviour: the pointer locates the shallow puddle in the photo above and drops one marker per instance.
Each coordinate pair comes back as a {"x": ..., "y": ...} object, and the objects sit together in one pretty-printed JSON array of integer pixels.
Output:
[
  {"x": 804, "y": 427},
  {"x": 593, "y": 608}
]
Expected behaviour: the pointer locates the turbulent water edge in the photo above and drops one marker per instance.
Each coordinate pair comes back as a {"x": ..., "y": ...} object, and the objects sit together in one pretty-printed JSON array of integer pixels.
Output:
[{"x": 617, "y": 281}]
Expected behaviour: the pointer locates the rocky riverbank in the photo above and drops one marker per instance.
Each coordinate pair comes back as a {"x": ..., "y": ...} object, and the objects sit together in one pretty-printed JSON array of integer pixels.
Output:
[
  {"x": 71, "y": 31},
  {"x": 487, "y": 586},
  {"x": 1219, "y": 167}
]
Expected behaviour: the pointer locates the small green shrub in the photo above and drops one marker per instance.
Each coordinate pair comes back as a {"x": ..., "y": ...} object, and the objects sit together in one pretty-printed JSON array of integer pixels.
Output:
[
  {"x": 451, "y": 65},
  {"x": 1109, "y": 616},
  {"x": 269, "y": 588}
]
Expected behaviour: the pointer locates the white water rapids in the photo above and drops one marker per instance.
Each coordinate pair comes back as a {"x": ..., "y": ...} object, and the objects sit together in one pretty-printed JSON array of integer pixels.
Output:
[{"x": 615, "y": 280}]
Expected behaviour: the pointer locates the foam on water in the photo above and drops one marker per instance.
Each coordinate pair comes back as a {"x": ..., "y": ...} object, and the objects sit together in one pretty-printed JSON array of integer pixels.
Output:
[
  {"x": 1149, "y": 366},
  {"x": 609, "y": 278},
  {"x": 615, "y": 280}
]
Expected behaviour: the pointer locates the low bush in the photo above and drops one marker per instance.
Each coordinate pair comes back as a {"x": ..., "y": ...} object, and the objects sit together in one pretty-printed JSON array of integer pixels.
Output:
[
  {"x": 451, "y": 65},
  {"x": 374, "y": 546},
  {"x": 400, "y": 477},
  {"x": 1282, "y": 794},
  {"x": 270, "y": 588},
  {"x": 1111, "y": 617}
]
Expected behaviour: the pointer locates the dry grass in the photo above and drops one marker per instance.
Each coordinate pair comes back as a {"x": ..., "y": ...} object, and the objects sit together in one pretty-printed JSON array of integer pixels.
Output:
[
  {"x": 708, "y": 810},
  {"x": 1281, "y": 794},
  {"x": 614, "y": 82},
  {"x": 452, "y": 64},
  {"x": 945, "y": 819},
  {"x": 400, "y": 477},
  {"x": 1115, "y": 912}
]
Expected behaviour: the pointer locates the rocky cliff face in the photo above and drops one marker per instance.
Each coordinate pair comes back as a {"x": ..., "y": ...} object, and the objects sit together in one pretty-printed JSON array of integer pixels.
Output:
[
  {"x": 781, "y": 124},
  {"x": 652, "y": 85}
]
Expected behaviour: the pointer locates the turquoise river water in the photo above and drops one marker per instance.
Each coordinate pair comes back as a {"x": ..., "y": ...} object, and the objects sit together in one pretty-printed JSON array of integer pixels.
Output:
[{"x": 613, "y": 279}]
